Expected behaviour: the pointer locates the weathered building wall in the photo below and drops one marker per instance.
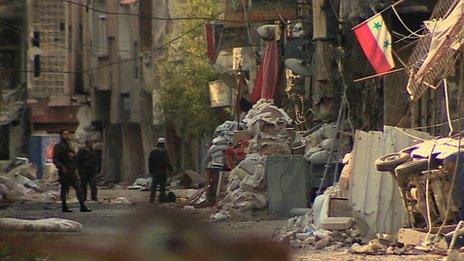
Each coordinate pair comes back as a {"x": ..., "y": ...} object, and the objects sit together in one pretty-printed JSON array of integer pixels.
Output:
[
  {"x": 50, "y": 19},
  {"x": 120, "y": 101},
  {"x": 14, "y": 122}
]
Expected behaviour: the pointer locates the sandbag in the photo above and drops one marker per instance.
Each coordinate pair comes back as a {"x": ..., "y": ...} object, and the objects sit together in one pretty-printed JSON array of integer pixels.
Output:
[
  {"x": 219, "y": 141},
  {"x": 249, "y": 164},
  {"x": 217, "y": 148},
  {"x": 40, "y": 225}
]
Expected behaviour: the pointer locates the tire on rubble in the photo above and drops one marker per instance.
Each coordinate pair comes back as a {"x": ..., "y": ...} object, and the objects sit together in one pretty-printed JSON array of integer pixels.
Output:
[
  {"x": 412, "y": 167},
  {"x": 390, "y": 161}
]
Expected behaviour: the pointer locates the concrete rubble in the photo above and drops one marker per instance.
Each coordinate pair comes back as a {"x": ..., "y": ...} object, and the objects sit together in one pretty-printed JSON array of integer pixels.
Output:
[{"x": 20, "y": 185}]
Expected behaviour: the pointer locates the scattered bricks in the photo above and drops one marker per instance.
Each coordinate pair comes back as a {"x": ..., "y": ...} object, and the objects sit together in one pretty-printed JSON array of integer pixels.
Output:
[
  {"x": 390, "y": 250},
  {"x": 302, "y": 236},
  {"x": 321, "y": 233},
  {"x": 349, "y": 240},
  {"x": 288, "y": 236},
  {"x": 398, "y": 251},
  {"x": 310, "y": 241},
  {"x": 375, "y": 246},
  {"x": 323, "y": 242}
]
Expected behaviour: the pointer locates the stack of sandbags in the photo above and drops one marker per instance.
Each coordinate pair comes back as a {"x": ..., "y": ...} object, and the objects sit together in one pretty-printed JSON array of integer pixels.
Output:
[
  {"x": 226, "y": 130},
  {"x": 268, "y": 125},
  {"x": 224, "y": 134},
  {"x": 217, "y": 150},
  {"x": 319, "y": 143},
  {"x": 245, "y": 168},
  {"x": 247, "y": 185},
  {"x": 247, "y": 191}
]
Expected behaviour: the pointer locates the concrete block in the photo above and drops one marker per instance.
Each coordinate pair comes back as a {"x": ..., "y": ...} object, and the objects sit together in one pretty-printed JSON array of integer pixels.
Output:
[
  {"x": 337, "y": 223},
  {"x": 285, "y": 178}
]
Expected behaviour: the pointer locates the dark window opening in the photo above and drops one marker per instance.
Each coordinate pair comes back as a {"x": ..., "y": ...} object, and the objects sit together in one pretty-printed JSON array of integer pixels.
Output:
[
  {"x": 136, "y": 60},
  {"x": 36, "y": 39},
  {"x": 37, "y": 68}
]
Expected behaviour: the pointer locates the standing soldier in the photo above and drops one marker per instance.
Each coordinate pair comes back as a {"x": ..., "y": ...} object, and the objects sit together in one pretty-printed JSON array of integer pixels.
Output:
[
  {"x": 64, "y": 160},
  {"x": 87, "y": 167},
  {"x": 158, "y": 165}
]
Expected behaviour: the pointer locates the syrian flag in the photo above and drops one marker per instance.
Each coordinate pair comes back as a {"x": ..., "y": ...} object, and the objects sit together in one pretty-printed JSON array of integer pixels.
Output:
[{"x": 376, "y": 42}]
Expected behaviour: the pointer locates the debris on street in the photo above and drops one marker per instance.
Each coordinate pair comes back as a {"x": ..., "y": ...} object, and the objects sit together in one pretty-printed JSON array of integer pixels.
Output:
[
  {"x": 116, "y": 201},
  {"x": 40, "y": 225},
  {"x": 20, "y": 185}
]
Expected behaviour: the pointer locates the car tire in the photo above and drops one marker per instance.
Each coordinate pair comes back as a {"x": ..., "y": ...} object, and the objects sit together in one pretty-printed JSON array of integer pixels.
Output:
[
  {"x": 412, "y": 167},
  {"x": 390, "y": 161}
]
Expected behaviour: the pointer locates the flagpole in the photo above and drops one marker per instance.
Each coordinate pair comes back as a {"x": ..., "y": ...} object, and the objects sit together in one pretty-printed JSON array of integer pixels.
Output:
[
  {"x": 379, "y": 74},
  {"x": 382, "y": 11}
]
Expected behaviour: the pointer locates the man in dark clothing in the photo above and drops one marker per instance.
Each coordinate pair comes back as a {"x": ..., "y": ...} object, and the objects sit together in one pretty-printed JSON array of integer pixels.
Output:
[
  {"x": 64, "y": 160},
  {"x": 158, "y": 165},
  {"x": 87, "y": 167}
]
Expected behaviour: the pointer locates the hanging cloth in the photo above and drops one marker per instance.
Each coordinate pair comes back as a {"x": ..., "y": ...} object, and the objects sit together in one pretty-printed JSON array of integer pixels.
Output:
[{"x": 268, "y": 74}]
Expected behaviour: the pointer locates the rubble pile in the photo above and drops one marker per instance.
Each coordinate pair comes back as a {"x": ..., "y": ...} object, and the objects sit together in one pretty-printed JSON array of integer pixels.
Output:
[
  {"x": 20, "y": 184},
  {"x": 267, "y": 125},
  {"x": 301, "y": 232}
]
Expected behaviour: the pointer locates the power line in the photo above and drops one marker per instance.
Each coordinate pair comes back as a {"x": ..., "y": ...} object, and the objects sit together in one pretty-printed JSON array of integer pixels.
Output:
[
  {"x": 175, "y": 39},
  {"x": 10, "y": 27},
  {"x": 87, "y": 7}
]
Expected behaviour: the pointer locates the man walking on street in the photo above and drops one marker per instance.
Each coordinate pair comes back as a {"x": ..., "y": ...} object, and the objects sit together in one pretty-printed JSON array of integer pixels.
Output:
[
  {"x": 87, "y": 167},
  {"x": 158, "y": 165},
  {"x": 64, "y": 159}
]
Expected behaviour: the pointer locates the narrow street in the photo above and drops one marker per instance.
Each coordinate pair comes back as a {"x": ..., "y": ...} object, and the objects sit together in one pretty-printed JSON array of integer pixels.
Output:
[
  {"x": 231, "y": 130},
  {"x": 110, "y": 224}
]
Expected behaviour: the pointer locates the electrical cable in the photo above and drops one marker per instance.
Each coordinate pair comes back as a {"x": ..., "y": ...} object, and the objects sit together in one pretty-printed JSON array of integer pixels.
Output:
[
  {"x": 448, "y": 114},
  {"x": 10, "y": 27},
  {"x": 405, "y": 26},
  {"x": 87, "y": 7},
  {"x": 245, "y": 11},
  {"x": 427, "y": 196},
  {"x": 175, "y": 39}
]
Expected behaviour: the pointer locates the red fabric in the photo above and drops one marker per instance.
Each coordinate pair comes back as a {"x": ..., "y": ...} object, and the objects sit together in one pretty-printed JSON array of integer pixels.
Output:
[
  {"x": 229, "y": 155},
  {"x": 210, "y": 43},
  {"x": 268, "y": 74},
  {"x": 372, "y": 49},
  {"x": 128, "y": 2}
]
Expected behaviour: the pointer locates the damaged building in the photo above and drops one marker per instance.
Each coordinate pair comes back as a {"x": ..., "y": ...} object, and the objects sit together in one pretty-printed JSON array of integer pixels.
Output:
[{"x": 14, "y": 120}]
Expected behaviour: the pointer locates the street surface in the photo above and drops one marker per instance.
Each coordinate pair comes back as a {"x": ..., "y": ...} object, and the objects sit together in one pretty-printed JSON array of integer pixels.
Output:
[{"x": 110, "y": 223}]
